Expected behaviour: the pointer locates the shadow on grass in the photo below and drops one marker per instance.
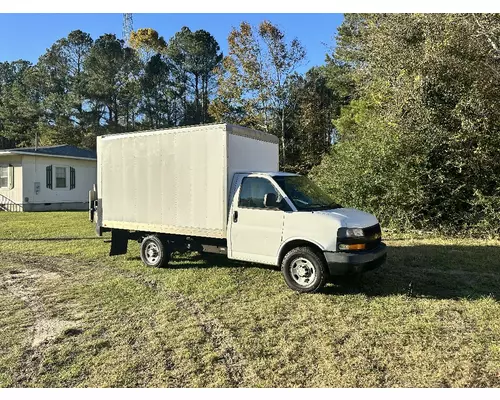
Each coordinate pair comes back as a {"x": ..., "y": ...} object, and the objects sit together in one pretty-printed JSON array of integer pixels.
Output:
[
  {"x": 207, "y": 260},
  {"x": 441, "y": 272}
]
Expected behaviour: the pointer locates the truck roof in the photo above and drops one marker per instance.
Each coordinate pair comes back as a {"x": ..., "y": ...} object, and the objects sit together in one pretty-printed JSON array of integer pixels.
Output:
[
  {"x": 270, "y": 173},
  {"x": 282, "y": 174},
  {"x": 197, "y": 127}
]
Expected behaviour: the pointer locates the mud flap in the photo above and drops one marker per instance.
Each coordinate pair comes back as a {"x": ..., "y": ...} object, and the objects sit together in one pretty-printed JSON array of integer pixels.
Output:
[
  {"x": 98, "y": 210},
  {"x": 92, "y": 195},
  {"x": 119, "y": 242}
]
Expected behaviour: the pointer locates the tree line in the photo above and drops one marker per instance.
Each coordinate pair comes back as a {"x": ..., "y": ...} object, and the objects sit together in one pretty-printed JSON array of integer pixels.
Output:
[
  {"x": 402, "y": 120},
  {"x": 80, "y": 88}
]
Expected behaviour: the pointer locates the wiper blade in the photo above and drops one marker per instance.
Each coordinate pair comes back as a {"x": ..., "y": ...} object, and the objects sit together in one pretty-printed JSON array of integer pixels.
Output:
[{"x": 326, "y": 207}]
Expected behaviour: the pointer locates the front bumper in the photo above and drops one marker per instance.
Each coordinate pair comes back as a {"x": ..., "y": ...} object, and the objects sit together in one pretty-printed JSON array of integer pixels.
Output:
[{"x": 340, "y": 263}]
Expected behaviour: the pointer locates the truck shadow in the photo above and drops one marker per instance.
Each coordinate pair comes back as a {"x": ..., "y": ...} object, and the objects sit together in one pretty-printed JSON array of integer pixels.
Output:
[
  {"x": 441, "y": 272},
  {"x": 195, "y": 260},
  {"x": 214, "y": 261}
]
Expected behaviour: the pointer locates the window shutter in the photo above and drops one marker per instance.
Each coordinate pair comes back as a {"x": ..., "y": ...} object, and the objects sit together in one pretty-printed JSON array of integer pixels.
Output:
[
  {"x": 71, "y": 178},
  {"x": 49, "y": 176},
  {"x": 11, "y": 177}
]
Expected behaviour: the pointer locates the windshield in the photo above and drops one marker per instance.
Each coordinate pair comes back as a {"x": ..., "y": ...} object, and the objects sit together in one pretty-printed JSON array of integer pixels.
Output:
[{"x": 304, "y": 193}]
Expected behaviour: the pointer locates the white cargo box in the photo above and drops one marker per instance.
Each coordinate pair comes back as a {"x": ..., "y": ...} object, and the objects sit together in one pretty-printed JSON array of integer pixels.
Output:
[{"x": 177, "y": 180}]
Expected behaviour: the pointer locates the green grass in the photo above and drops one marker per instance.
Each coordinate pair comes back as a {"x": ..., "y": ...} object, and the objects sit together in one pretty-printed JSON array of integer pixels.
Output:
[{"x": 70, "y": 315}]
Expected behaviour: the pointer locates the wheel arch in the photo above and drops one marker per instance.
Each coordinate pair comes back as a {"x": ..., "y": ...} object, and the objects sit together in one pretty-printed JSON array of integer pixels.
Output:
[{"x": 299, "y": 242}]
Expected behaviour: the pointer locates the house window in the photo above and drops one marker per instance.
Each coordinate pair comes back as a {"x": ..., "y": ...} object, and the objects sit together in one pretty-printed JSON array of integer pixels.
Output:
[
  {"x": 57, "y": 177},
  {"x": 4, "y": 177},
  {"x": 60, "y": 177}
]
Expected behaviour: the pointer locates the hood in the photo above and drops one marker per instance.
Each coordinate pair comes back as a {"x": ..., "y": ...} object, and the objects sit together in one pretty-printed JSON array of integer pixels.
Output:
[{"x": 350, "y": 217}]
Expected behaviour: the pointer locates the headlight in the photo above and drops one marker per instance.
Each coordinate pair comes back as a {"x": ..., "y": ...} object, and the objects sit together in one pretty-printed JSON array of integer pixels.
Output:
[{"x": 354, "y": 232}]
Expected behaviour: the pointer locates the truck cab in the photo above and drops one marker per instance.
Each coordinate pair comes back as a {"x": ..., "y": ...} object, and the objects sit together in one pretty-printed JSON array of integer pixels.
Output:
[{"x": 284, "y": 219}]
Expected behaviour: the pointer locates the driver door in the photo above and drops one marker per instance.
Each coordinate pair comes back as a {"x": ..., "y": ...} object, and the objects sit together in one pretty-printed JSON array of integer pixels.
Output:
[{"x": 255, "y": 230}]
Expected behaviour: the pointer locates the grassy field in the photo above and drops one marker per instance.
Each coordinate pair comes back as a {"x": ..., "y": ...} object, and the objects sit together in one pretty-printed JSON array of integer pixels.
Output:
[{"x": 70, "y": 315}]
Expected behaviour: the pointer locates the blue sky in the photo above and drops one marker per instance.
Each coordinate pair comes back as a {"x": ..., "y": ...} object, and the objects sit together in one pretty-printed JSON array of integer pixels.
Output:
[{"x": 27, "y": 36}]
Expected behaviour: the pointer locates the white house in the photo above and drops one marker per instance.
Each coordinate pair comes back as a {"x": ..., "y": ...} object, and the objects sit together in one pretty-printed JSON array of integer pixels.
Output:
[{"x": 46, "y": 178}]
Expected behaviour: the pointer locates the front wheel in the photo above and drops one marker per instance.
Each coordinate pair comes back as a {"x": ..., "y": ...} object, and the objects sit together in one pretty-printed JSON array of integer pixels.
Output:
[
  {"x": 304, "y": 270},
  {"x": 154, "y": 253}
]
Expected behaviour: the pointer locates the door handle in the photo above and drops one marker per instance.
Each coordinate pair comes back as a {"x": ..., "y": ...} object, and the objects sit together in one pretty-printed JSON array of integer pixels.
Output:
[{"x": 235, "y": 216}]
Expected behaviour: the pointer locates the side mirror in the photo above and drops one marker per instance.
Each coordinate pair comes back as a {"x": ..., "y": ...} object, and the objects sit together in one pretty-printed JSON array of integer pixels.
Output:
[{"x": 270, "y": 200}]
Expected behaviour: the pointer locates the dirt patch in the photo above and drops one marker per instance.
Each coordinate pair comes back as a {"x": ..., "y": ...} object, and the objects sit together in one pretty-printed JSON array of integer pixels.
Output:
[
  {"x": 42, "y": 264},
  {"x": 25, "y": 283},
  {"x": 48, "y": 329}
]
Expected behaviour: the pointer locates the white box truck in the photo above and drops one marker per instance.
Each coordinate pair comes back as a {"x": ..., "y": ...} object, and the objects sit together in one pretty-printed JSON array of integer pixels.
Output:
[{"x": 216, "y": 188}]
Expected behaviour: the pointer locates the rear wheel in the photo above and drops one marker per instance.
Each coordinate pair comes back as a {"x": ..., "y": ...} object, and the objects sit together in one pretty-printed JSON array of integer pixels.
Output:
[
  {"x": 304, "y": 270},
  {"x": 154, "y": 252}
]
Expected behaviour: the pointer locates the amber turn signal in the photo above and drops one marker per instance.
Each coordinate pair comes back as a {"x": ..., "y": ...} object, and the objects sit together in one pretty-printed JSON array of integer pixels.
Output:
[{"x": 359, "y": 246}]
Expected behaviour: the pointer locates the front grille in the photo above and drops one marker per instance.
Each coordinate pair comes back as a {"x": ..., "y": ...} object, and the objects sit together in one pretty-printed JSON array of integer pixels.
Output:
[
  {"x": 372, "y": 230},
  {"x": 373, "y": 236}
]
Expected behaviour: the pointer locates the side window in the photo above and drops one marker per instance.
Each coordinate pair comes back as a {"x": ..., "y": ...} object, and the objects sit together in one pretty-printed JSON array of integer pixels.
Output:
[
  {"x": 4, "y": 177},
  {"x": 253, "y": 190}
]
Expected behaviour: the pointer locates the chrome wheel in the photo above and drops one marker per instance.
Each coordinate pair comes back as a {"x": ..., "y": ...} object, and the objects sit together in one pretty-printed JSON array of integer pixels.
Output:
[
  {"x": 152, "y": 252},
  {"x": 303, "y": 272}
]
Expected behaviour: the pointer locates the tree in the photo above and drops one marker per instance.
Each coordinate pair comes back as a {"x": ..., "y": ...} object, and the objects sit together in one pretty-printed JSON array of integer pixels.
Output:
[
  {"x": 311, "y": 107},
  {"x": 112, "y": 81},
  {"x": 159, "y": 102},
  {"x": 148, "y": 43},
  {"x": 194, "y": 57},
  {"x": 60, "y": 80},
  {"x": 253, "y": 80},
  {"x": 19, "y": 103}
]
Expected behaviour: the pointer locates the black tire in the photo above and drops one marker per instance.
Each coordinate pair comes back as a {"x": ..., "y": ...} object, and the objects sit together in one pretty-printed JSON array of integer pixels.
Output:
[
  {"x": 311, "y": 261},
  {"x": 154, "y": 252}
]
